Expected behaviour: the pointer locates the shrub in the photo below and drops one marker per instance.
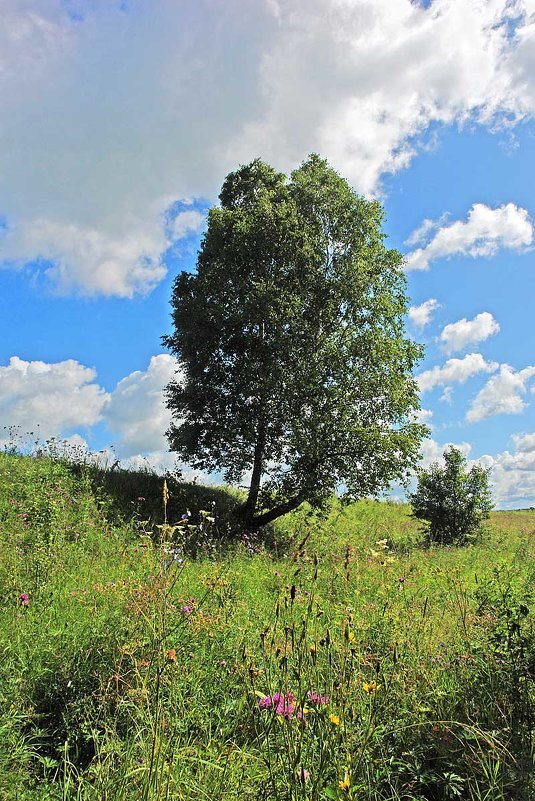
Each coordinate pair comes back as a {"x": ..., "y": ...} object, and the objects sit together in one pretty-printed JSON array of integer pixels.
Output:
[{"x": 453, "y": 501}]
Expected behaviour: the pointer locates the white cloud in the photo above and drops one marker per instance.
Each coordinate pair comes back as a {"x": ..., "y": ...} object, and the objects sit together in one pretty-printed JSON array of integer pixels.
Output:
[
  {"x": 422, "y": 315},
  {"x": 49, "y": 399},
  {"x": 432, "y": 451},
  {"x": 457, "y": 336},
  {"x": 136, "y": 411},
  {"x": 89, "y": 261},
  {"x": 423, "y": 416},
  {"x": 525, "y": 443},
  {"x": 422, "y": 233},
  {"x": 485, "y": 232},
  {"x": 512, "y": 475},
  {"x": 187, "y": 222},
  {"x": 502, "y": 394},
  {"x": 109, "y": 118},
  {"x": 455, "y": 371}
]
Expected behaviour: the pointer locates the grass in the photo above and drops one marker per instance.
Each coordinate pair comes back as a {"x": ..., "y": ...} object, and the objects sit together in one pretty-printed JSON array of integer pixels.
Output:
[{"x": 144, "y": 658}]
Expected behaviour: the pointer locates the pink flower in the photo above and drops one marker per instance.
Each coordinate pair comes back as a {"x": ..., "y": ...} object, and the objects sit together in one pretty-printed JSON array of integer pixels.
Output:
[
  {"x": 187, "y": 609},
  {"x": 24, "y": 598},
  {"x": 282, "y": 703},
  {"x": 317, "y": 699}
]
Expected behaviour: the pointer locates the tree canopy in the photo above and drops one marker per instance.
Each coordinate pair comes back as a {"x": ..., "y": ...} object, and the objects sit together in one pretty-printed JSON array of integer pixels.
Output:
[
  {"x": 453, "y": 501},
  {"x": 295, "y": 369}
]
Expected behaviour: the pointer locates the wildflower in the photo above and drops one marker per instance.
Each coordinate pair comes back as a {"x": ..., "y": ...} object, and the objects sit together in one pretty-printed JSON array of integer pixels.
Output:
[
  {"x": 283, "y": 704},
  {"x": 345, "y": 783},
  {"x": 304, "y": 775},
  {"x": 266, "y": 702},
  {"x": 171, "y": 655},
  {"x": 317, "y": 699},
  {"x": 187, "y": 608},
  {"x": 24, "y": 599},
  {"x": 369, "y": 687},
  {"x": 335, "y": 719}
]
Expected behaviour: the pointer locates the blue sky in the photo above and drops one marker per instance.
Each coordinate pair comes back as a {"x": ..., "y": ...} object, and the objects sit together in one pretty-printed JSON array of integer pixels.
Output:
[{"x": 120, "y": 121}]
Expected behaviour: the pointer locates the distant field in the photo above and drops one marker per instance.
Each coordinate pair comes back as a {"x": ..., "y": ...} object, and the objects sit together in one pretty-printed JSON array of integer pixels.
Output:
[{"x": 338, "y": 658}]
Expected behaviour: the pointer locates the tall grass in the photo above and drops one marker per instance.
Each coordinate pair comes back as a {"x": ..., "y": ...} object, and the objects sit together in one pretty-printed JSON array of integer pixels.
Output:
[{"x": 143, "y": 660}]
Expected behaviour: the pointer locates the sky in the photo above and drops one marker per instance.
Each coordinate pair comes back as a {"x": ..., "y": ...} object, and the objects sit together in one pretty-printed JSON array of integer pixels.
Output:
[{"x": 118, "y": 124}]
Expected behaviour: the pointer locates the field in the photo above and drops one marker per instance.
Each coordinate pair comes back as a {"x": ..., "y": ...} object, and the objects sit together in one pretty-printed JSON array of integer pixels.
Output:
[{"x": 147, "y": 652}]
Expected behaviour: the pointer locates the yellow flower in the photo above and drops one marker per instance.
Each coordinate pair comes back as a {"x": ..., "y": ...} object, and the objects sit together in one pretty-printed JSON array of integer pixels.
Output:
[
  {"x": 335, "y": 719},
  {"x": 369, "y": 687},
  {"x": 351, "y": 636},
  {"x": 345, "y": 784}
]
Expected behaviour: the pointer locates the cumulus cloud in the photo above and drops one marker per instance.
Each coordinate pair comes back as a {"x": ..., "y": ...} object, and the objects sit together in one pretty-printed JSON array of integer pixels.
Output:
[
  {"x": 187, "y": 222},
  {"x": 433, "y": 451},
  {"x": 502, "y": 394},
  {"x": 457, "y": 336},
  {"x": 422, "y": 233},
  {"x": 455, "y": 371},
  {"x": 422, "y": 315},
  {"x": 525, "y": 443},
  {"x": 48, "y": 398},
  {"x": 512, "y": 473},
  {"x": 136, "y": 411},
  {"x": 111, "y": 113},
  {"x": 485, "y": 232}
]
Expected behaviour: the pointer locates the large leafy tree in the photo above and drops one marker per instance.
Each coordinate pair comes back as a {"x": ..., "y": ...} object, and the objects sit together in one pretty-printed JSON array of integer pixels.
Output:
[{"x": 295, "y": 370}]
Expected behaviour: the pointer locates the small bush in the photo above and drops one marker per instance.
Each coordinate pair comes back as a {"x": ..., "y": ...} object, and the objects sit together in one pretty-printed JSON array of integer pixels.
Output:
[{"x": 454, "y": 502}]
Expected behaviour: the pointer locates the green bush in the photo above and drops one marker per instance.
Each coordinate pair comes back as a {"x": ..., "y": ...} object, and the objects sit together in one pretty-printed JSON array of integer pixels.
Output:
[{"x": 453, "y": 501}]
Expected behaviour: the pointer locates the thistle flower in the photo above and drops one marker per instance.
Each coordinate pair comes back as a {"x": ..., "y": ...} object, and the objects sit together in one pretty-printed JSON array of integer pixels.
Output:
[{"x": 283, "y": 704}]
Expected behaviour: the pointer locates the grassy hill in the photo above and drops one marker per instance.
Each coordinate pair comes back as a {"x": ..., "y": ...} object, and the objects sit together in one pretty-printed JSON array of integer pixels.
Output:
[{"x": 342, "y": 659}]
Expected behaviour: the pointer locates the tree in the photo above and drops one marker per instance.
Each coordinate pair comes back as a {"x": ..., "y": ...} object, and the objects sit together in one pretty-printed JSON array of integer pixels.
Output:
[
  {"x": 290, "y": 336},
  {"x": 454, "y": 502}
]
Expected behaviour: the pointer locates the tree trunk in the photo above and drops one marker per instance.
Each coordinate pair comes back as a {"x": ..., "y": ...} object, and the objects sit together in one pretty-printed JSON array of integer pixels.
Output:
[
  {"x": 246, "y": 512},
  {"x": 277, "y": 511}
]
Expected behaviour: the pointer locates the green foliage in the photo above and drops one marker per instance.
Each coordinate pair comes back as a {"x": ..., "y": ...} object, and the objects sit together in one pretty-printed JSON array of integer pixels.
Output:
[
  {"x": 453, "y": 501},
  {"x": 130, "y": 675},
  {"x": 290, "y": 338}
]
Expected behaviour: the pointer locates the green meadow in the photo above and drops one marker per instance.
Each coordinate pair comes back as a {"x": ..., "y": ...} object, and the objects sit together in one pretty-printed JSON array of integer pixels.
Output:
[{"x": 149, "y": 651}]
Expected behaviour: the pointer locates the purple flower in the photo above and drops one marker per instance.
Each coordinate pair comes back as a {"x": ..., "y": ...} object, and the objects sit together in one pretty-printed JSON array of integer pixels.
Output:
[
  {"x": 266, "y": 702},
  {"x": 24, "y": 598},
  {"x": 282, "y": 703},
  {"x": 317, "y": 699}
]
